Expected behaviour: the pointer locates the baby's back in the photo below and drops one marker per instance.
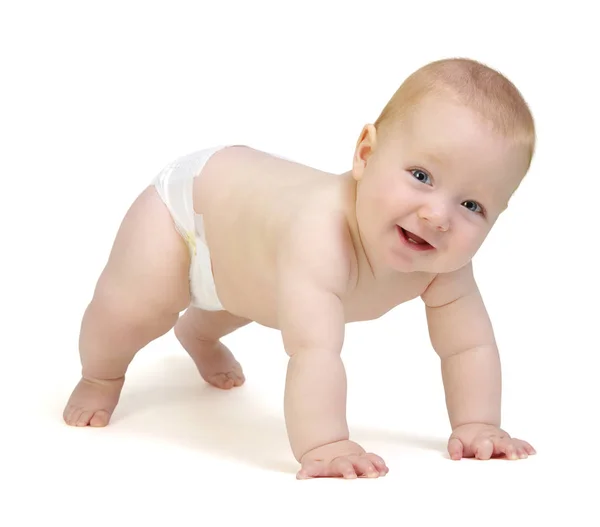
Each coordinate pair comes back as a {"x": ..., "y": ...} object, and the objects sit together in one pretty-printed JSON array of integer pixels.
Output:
[{"x": 249, "y": 199}]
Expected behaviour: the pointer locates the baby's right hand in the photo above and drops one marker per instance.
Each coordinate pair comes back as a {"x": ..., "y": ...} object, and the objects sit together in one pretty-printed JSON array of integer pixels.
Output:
[{"x": 341, "y": 459}]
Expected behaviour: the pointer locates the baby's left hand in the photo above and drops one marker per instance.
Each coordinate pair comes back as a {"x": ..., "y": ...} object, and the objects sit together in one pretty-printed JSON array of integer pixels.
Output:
[{"x": 483, "y": 441}]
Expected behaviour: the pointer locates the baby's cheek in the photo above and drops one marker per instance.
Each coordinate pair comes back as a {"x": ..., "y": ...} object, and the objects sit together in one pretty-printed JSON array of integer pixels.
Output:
[
  {"x": 474, "y": 245},
  {"x": 394, "y": 197},
  {"x": 467, "y": 245}
]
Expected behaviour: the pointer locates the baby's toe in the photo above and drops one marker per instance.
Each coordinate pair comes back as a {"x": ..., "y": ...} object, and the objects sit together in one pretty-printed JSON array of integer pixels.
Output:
[
  {"x": 222, "y": 380},
  {"x": 67, "y": 414},
  {"x": 237, "y": 377},
  {"x": 71, "y": 414},
  {"x": 84, "y": 417},
  {"x": 99, "y": 418}
]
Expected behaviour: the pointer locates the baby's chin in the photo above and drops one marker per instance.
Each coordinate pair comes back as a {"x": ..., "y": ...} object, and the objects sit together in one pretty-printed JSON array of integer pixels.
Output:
[
  {"x": 450, "y": 266},
  {"x": 442, "y": 266}
]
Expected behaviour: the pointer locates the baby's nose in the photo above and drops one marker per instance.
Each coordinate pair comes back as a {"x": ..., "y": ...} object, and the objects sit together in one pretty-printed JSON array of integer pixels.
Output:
[{"x": 436, "y": 217}]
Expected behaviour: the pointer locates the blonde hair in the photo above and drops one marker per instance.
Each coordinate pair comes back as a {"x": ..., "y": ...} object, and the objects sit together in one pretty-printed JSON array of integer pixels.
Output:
[{"x": 473, "y": 84}]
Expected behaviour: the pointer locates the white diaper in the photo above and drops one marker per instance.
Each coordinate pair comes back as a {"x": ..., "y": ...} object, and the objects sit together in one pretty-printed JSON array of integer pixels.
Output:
[{"x": 175, "y": 184}]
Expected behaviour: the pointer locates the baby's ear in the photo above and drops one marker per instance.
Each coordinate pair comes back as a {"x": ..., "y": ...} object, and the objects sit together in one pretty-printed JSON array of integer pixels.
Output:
[
  {"x": 358, "y": 167},
  {"x": 364, "y": 148}
]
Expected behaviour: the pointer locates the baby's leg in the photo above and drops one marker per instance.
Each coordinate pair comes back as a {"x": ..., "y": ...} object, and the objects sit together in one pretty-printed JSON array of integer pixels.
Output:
[
  {"x": 138, "y": 298},
  {"x": 199, "y": 332}
]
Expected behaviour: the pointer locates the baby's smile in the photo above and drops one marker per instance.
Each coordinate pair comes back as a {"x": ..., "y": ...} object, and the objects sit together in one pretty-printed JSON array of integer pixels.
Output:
[{"x": 413, "y": 241}]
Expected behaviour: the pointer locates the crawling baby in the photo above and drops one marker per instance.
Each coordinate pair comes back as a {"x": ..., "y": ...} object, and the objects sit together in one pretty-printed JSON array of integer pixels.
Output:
[{"x": 230, "y": 235}]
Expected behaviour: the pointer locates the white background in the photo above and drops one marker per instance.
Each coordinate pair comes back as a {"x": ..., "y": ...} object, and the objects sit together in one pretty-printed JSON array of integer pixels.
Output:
[{"x": 97, "y": 97}]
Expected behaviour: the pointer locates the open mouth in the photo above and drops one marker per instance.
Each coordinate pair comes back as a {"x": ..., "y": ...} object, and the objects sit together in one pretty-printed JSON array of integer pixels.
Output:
[{"x": 413, "y": 241}]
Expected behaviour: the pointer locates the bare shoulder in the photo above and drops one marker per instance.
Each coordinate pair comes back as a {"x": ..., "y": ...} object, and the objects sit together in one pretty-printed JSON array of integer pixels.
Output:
[
  {"x": 318, "y": 246},
  {"x": 448, "y": 287}
]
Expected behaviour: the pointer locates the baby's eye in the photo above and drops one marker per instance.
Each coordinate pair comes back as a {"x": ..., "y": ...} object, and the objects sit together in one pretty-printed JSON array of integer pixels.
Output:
[
  {"x": 423, "y": 177},
  {"x": 473, "y": 206}
]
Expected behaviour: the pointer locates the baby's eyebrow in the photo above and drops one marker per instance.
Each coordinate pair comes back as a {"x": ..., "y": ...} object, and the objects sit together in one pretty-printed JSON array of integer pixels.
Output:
[{"x": 434, "y": 157}]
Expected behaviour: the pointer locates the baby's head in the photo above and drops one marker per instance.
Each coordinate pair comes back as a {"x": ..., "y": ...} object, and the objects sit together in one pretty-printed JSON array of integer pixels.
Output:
[{"x": 441, "y": 162}]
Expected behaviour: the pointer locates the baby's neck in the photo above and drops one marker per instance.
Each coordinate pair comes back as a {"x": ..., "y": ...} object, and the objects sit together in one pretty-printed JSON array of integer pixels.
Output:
[{"x": 360, "y": 252}]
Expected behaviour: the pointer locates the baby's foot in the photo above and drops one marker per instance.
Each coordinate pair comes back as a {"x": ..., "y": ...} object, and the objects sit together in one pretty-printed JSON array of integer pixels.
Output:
[
  {"x": 93, "y": 402},
  {"x": 216, "y": 363}
]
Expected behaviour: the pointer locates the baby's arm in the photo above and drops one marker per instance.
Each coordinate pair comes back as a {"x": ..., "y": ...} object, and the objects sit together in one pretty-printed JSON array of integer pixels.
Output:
[
  {"x": 461, "y": 333},
  {"x": 312, "y": 325},
  {"x": 313, "y": 272}
]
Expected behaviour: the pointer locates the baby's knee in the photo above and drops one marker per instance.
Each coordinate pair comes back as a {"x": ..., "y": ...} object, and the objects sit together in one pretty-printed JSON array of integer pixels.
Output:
[{"x": 126, "y": 318}]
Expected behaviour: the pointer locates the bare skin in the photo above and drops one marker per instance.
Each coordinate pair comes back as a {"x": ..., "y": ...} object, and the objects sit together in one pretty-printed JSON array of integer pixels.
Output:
[
  {"x": 247, "y": 290},
  {"x": 117, "y": 323},
  {"x": 199, "y": 332},
  {"x": 94, "y": 399},
  {"x": 308, "y": 253}
]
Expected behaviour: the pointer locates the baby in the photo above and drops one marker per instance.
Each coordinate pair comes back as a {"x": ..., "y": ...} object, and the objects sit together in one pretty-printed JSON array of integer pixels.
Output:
[{"x": 232, "y": 235}]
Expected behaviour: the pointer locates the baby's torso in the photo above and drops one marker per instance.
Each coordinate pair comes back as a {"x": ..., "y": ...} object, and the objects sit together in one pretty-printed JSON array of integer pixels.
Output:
[{"x": 248, "y": 199}]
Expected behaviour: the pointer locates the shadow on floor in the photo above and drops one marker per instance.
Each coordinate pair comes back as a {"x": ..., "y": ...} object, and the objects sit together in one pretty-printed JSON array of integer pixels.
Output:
[{"x": 172, "y": 404}]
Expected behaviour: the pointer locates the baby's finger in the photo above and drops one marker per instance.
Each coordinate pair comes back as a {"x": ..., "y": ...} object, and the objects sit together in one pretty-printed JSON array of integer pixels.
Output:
[
  {"x": 364, "y": 467},
  {"x": 455, "y": 448},
  {"x": 483, "y": 448},
  {"x": 510, "y": 450},
  {"x": 521, "y": 452},
  {"x": 311, "y": 469},
  {"x": 528, "y": 448},
  {"x": 524, "y": 449},
  {"x": 378, "y": 463},
  {"x": 506, "y": 446},
  {"x": 343, "y": 467}
]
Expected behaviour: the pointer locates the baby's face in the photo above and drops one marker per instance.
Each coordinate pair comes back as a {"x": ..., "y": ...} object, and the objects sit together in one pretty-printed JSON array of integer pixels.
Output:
[{"x": 441, "y": 179}]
